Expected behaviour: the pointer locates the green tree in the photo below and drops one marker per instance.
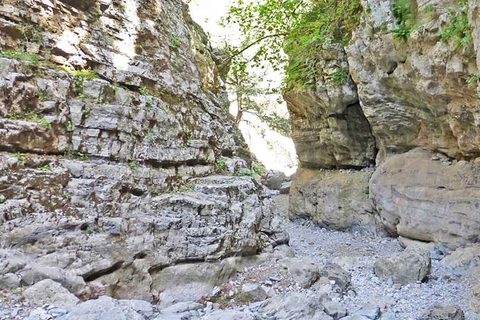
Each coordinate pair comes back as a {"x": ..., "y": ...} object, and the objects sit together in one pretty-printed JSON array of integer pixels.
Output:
[{"x": 298, "y": 28}]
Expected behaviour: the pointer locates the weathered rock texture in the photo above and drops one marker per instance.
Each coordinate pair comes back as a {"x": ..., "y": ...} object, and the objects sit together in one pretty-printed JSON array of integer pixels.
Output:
[
  {"x": 416, "y": 91},
  {"x": 420, "y": 198},
  {"x": 335, "y": 199},
  {"x": 328, "y": 125},
  {"x": 106, "y": 173},
  {"x": 410, "y": 266}
]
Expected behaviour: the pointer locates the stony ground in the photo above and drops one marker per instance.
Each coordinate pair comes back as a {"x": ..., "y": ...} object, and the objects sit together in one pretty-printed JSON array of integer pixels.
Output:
[{"x": 355, "y": 253}]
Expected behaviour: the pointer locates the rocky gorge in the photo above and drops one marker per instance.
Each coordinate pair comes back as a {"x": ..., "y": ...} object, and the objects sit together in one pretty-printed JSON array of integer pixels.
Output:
[{"x": 127, "y": 192}]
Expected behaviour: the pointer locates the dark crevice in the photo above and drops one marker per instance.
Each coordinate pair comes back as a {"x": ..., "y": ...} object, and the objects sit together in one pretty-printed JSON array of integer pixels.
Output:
[{"x": 95, "y": 274}]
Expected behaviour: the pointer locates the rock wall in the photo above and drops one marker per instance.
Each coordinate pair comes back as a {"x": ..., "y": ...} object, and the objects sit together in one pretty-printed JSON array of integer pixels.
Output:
[
  {"x": 417, "y": 84},
  {"x": 414, "y": 91},
  {"x": 113, "y": 127}
]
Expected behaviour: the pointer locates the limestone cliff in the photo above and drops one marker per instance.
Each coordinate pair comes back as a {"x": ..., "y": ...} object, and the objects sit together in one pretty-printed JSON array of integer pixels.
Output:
[
  {"x": 417, "y": 85},
  {"x": 113, "y": 126}
]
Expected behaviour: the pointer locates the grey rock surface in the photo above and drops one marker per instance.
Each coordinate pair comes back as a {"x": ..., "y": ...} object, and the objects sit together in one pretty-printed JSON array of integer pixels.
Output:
[
  {"x": 442, "y": 312},
  {"x": 111, "y": 142},
  {"x": 305, "y": 272},
  {"x": 410, "y": 266},
  {"x": 49, "y": 291}
]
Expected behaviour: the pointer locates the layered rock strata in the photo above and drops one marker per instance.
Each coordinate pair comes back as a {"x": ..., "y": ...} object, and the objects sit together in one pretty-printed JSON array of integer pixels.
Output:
[{"x": 112, "y": 129}]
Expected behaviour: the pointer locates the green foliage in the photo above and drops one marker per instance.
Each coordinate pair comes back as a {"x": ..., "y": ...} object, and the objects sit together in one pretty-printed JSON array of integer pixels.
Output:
[
  {"x": 276, "y": 122},
  {"x": 401, "y": 32},
  {"x": 383, "y": 26},
  {"x": 221, "y": 165},
  {"x": 243, "y": 172},
  {"x": 189, "y": 186},
  {"x": 143, "y": 90},
  {"x": 34, "y": 117},
  {"x": 404, "y": 16},
  {"x": 341, "y": 77},
  {"x": 70, "y": 125},
  {"x": 86, "y": 112},
  {"x": 132, "y": 165},
  {"x": 42, "y": 95},
  {"x": 429, "y": 8},
  {"x": 89, "y": 230},
  {"x": 473, "y": 78},
  {"x": 45, "y": 168},
  {"x": 148, "y": 104},
  {"x": 257, "y": 169},
  {"x": 81, "y": 75},
  {"x": 150, "y": 136},
  {"x": 457, "y": 29},
  {"x": 21, "y": 157},
  {"x": 298, "y": 27},
  {"x": 21, "y": 55},
  {"x": 174, "y": 42}
]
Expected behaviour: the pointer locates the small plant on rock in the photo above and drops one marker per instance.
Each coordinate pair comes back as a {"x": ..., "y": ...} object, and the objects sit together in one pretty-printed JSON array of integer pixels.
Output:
[
  {"x": 21, "y": 55},
  {"x": 402, "y": 11},
  {"x": 473, "y": 78},
  {"x": 45, "y": 168},
  {"x": 221, "y": 165},
  {"x": 132, "y": 165},
  {"x": 340, "y": 77},
  {"x": 257, "y": 169},
  {"x": 143, "y": 90},
  {"x": 457, "y": 29},
  {"x": 21, "y": 158}
]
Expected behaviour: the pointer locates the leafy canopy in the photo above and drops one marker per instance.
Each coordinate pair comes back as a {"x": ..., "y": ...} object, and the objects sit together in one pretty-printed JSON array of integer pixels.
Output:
[{"x": 298, "y": 28}]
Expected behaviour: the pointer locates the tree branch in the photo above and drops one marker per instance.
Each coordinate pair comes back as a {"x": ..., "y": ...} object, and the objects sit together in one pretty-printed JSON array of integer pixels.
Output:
[{"x": 251, "y": 45}]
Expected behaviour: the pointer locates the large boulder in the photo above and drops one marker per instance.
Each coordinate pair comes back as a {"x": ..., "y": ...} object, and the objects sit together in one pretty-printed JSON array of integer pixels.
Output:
[
  {"x": 419, "y": 197},
  {"x": 335, "y": 199}
]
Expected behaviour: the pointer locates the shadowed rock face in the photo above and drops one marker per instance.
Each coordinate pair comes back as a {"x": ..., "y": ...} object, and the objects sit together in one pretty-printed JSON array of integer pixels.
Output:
[
  {"x": 328, "y": 126},
  {"x": 107, "y": 172}
]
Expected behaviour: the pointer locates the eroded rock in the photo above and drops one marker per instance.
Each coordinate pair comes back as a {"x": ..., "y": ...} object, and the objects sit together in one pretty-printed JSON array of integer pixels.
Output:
[
  {"x": 409, "y": 266},
  {"x": 418, "y": 198}
]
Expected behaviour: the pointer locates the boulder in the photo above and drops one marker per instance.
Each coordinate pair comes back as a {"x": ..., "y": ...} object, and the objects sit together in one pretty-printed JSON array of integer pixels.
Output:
[
  {"x": 417, "y": 197},
  {"x": 409, "y": 266},
  {"x": 334, "y": 309},
  {"x": 337, "y": 274},
  {"x": 295, "y": 305},
  {"x": 51, "y": 292},
  {"x": 338, "y": 200},
  {"x": 305, "y": 272},
  {"x": 463, "y": 259},
  {"x": 255, "y": 291},
  {"x": 443, "y": 312}
]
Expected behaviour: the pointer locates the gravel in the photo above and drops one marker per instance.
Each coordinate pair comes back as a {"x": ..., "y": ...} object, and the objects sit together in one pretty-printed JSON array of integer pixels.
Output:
[{"x": 357, "y": 253}]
